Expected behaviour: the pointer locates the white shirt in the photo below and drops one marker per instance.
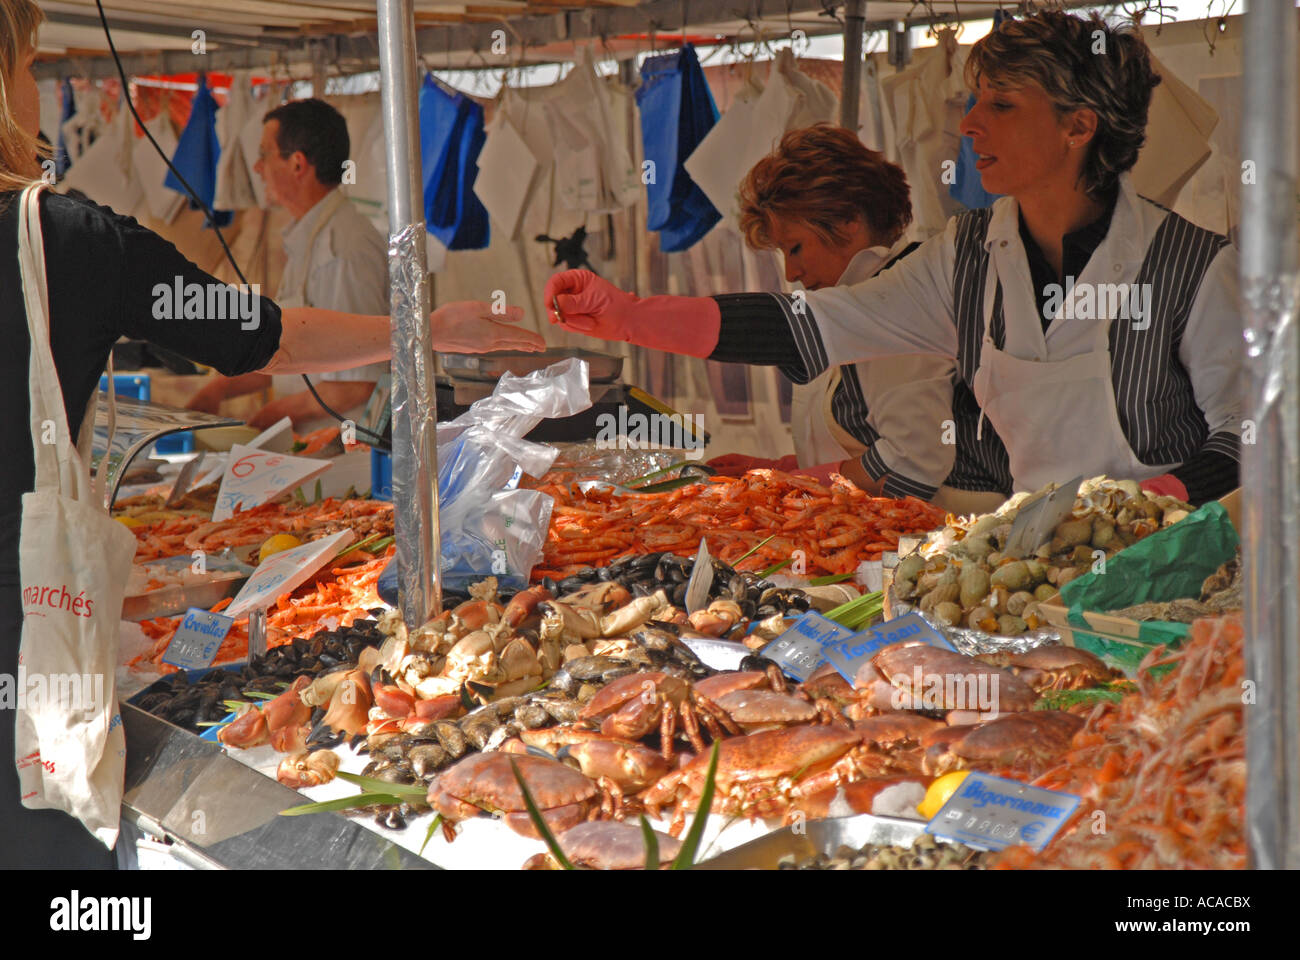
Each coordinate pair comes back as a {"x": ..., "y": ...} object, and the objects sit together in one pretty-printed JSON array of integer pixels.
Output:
[
  {"x": 908, "y": 398},
  {"x": 337, "y": 261},
  {"x": 909, "y": 309}
]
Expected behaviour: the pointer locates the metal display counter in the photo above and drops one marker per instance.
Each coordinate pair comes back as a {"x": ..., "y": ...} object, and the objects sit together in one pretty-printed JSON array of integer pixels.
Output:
[{"x": 223, "y": 814}]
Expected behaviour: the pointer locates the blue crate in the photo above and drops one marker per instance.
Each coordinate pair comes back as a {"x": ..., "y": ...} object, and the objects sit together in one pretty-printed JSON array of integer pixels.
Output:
[
  {"x": 381, "y": 475},
  {"x": 175, "y": 443},
  {"x": 133, "y": 385}
]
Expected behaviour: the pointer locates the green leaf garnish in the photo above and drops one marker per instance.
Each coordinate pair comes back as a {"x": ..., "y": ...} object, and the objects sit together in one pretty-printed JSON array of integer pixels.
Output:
[
  {"x": 371, "y": 785},
  {"x": 832, "y": 578},
  {"x": 685, "y": 859},
  {"x": 651, "y": 844},
  {"x": 774, "y": 568},
  {"x": 343, "y": 803},
  {"x": 756, "y": 546},
  {"x": 538, "y": 823},
  {"x": 437, "y": 822}
]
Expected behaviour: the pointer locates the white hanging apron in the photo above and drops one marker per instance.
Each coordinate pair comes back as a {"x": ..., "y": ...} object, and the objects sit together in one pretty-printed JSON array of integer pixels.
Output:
[
  {"x": 1058, "y": 418},
  {"x": 74, "y": 562}
]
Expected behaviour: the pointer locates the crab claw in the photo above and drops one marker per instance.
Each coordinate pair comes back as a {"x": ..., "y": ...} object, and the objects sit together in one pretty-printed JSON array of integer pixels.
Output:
[{"x": 248, "y": 730}]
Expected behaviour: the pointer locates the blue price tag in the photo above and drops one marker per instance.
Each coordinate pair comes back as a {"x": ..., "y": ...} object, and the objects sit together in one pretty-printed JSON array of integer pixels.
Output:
[
  {"x": 850, "y": 654},
  {"x": 799, "y": 650},
  {"x": 195, "y": 643},
  {"x": 992, "y": 813}
]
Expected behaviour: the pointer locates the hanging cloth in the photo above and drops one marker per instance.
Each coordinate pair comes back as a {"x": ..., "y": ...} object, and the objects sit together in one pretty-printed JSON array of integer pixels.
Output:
[
  {"x": 234, "y": 170},
  {"x": 451, "y": 137},
  {"x": 677, "y": 112},
  {"x": 107, "y": 174},
  {"x": 69, "y": 97},
  {"x": 198, "y": 152},
  {"x": 967, "y": 189},
  {"x": 716, "y": 164},
  {"x": 1179, "y": 124}
]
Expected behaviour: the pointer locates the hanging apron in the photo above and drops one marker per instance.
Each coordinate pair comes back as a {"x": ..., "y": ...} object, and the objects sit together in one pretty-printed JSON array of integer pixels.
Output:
[
  {"x": 74, "y": 562},
  {"x": 1058, "y": 418}
]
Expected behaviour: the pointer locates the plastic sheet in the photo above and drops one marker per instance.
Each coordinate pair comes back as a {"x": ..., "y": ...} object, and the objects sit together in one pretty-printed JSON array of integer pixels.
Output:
[
  {"x": 490, "y": 527},
  {"x": 591, "y": 460},
  {"x": 976, "y": 643}
]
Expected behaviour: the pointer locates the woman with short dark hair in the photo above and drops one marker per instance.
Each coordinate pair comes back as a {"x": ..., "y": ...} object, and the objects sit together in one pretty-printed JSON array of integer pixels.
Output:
[{"x": 1093, "y": 331}]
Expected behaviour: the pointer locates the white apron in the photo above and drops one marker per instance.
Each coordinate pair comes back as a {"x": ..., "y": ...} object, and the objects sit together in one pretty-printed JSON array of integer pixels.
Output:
[
  {"x": 74, "y": 561},
  {"x": 1074, "y": 396}
]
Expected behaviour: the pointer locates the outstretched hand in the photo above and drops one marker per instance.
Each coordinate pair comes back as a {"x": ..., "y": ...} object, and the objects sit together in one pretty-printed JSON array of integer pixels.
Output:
[
  {"x": 470, "y": 326},
  {"x": 587, "y": 304}
]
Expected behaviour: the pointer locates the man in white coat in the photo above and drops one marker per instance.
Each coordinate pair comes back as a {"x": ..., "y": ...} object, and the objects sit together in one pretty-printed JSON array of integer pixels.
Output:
[{"x": 336, "y": 260}]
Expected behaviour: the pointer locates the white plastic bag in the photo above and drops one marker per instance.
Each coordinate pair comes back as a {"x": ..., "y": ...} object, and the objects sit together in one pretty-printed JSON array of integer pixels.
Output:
[{"x": 490, "y": 528}]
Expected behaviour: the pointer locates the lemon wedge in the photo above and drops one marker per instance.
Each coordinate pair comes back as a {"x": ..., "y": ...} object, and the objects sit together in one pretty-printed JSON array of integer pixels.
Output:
[
  {"x": 939, "y": 792},
  {"x": 276, "y": 544},
  {"x": 130, "y": 522}
]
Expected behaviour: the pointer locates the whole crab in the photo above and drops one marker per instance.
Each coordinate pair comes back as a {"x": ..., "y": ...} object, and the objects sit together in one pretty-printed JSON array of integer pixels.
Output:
[{"x": 484, "y": 784}]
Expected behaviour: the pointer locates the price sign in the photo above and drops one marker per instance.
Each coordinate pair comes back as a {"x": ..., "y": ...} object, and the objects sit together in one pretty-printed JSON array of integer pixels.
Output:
[
  {"x": 850, "y": 654},
  {"x": 799, "y": 649},
  {"x": 254, "y": 477},
  {"x": 285, "y": 571},
  {"x": 992, "y": 813},
  {"x": 194, "y": 644}
]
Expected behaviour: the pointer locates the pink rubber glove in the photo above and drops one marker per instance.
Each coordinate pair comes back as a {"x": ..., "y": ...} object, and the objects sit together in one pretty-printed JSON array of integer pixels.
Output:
[
  {"x": 1165, "y": 485},
  {"x": 821, "y": 473},
  {"x": 590, "y": 305},
  {"x": 737, "y": 464}
]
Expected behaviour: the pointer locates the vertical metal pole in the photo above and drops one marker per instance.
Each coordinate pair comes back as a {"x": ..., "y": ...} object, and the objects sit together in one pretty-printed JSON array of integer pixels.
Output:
[
  {"x": 855, "y": 21},
  {"x": 319, "y": 71},
  {"x": 415, "y": 415},
  {"x": 1270, "y": 462}
]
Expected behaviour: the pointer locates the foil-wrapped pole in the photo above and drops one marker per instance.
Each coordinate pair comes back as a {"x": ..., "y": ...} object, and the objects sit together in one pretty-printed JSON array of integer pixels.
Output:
[
  {"x": 1270, "y": 435},
  {"x": 415, "y": 415}
]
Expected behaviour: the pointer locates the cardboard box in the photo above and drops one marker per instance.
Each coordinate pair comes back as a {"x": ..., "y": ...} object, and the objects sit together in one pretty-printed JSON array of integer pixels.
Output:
[{"x": 1122, "y": 629}]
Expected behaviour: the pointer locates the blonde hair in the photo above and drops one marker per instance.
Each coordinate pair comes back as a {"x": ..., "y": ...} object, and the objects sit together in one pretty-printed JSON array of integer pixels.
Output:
[{"x": 19, "y": 20}]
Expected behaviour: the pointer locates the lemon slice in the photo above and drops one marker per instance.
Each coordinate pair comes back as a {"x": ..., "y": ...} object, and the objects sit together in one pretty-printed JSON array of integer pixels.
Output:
[
  {"x": 276, "y": 544},
  {"x": 939, "y": 792},
  {"x": 130, "y": 522}
]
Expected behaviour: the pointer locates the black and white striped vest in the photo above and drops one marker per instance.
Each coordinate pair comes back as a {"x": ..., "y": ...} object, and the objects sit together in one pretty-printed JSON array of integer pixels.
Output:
[{"x": 1153, "y": 393}]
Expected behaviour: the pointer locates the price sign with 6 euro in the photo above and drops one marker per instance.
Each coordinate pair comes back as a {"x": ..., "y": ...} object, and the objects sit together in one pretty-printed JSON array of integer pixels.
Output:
[{"x": 254, "y": 477}]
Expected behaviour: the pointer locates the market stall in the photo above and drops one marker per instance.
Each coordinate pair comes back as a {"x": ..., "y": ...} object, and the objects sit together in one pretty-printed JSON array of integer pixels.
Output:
[{"x": 549, "y": 647}]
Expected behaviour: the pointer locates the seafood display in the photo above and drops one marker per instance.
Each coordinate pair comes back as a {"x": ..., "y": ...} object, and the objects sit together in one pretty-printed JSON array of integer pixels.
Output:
[
  {"x": 835, "y": 527},
  {"x": 1166, "y": 766},
  {"x": 589, "y": 685},
  {"x": 171, "y": 532},
  {"x": 1220, "y": 593},
  {"x": 962, "y": 578},
  {"x": 925, "y": 854}
]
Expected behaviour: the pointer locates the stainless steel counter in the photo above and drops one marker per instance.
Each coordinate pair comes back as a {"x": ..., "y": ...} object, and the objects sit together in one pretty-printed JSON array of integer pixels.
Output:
[{"x": 226, "y": 815}]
